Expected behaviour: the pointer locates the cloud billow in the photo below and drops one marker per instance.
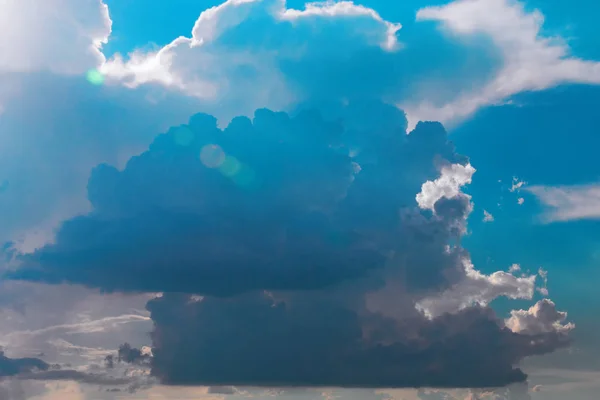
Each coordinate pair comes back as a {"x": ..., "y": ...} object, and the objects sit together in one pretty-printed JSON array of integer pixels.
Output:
[
  {"x": 298, "y": 250},
  {"x": 276, "y": 203}
]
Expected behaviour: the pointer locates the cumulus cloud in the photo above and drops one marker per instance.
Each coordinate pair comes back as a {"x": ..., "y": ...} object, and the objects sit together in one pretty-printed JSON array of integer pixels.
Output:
[
  {"x": 530, "y": 60},
  {"x": 448, "y": 185},
  {"x": 302, "y": 233},
  {"x": 568, "y": 203},
  {"x": 541, "y": 318},
  {"x": 327, "y": 215},
  {"x": 232, "y": 207},
  {"x": 63, "y": 37},
  {"x": 478, "y": 289},
  {"x": 239, "y": 56},
  {"x": 221, "y": 55},
  {"x": 259, "y": 53}
]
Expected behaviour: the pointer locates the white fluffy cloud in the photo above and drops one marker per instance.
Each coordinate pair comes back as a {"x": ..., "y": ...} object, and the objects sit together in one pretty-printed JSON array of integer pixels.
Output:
[
  {"x": 531, "y": 61},
  {"x": 566, "y": 203},
  {"x": 62, "y": 36},
  {"x": 542, "y": 317},
  {"x": 232, "y": 59},
  {"x": 223, "y": 63},
  {"x": 478, "y": 289},
  {"x": 452, "y": 179}
]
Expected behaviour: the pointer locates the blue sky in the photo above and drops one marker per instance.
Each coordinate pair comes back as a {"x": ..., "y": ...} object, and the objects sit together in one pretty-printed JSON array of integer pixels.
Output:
[
  {"x": 113, "y": 189},
  {"x": 138, "y": 23}
]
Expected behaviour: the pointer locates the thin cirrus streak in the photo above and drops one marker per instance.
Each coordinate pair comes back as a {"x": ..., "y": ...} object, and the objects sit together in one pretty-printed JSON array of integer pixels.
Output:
[{"x": 568, "y": 203}]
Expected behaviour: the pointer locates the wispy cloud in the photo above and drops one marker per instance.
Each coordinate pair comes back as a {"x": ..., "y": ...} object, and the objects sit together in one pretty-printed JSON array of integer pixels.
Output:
[
  {"x": 99, "y": 325},
  {"x": 568, "y": 203},
  {"x": 531, "y": 61}
]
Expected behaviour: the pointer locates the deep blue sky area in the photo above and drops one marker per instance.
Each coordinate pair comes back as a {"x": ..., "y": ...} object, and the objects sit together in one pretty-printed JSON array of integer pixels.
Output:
[{"x": 139, "y": 23}]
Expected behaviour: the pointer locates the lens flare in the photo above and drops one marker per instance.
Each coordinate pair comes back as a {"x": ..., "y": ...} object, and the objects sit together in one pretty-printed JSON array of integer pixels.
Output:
[
  {"x": 230, "y": 166},
  {"x": 245, "y": 177},
  {"x": 95, "y": 77},
  {"x": 212, "y": 156}
]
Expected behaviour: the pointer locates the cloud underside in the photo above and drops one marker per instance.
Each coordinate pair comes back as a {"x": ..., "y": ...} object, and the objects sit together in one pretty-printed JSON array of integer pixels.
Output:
[{"x": 321, "y": 344}]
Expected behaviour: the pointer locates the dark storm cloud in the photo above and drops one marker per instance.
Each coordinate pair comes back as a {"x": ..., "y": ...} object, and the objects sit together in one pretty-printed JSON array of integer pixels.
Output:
[
  {"x": 256, "y": 341},
  {"x": 272, "y": 203},
  {"x": 131, "y": 355},
  {"x": 15, "y": 366},
  {"x": 287, "y": 225}
]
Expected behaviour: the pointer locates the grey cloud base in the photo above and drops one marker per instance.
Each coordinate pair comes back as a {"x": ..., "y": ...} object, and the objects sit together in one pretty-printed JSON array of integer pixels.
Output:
[
  {"x": 304, "y": 237},
  {"x": 257, "y": 341}
]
